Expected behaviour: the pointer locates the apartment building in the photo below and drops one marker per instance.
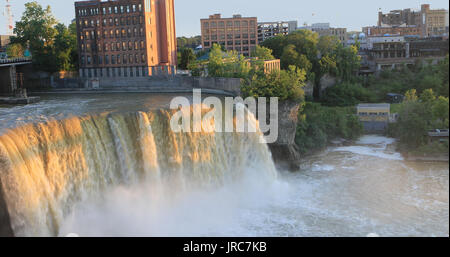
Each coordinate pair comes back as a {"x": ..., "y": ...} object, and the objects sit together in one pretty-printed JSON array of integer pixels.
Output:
[
  {"x": 237, "y": 33},
  {"x": 271, "y": 29},
  {"x": 126, "y": 38}
]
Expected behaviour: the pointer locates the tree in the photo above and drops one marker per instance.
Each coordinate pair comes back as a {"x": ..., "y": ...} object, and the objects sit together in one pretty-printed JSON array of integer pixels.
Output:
[
  {"x": 62, "y": 48},
  {"x": 36, "y": 30},
  {"x": 187, "y": 57},
  {"x": 327, "y": 45},
  {"x": 215, "y": 65},
  {"x": 427, "y": 96},
  {"x": 15, "y": 50},
  {"x": 263, "y": 53},
  {"x": 411, "y": 95},
  {"x": 284, "y": 84}
]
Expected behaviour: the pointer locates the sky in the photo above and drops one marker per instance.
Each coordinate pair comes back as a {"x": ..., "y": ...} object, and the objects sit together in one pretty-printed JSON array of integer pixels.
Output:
[{"x": 350, "y": 14}]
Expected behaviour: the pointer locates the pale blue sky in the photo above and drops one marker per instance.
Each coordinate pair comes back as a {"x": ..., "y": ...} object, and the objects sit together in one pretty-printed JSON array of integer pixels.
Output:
[{"x": 352, "y": 14}]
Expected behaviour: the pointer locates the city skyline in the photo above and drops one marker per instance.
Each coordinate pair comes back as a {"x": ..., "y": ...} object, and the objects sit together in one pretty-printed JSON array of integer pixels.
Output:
[{"x": 188, "y": 22}]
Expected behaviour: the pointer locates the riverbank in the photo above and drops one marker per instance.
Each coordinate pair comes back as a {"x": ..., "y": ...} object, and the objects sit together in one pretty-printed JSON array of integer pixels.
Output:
[
  {"x": 425, "y": 158},
  {"x": 19, "y": 100}
]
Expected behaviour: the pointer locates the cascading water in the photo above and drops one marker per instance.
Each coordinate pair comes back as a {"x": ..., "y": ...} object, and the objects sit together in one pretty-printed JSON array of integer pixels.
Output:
[{"x": 47, "y": 168}]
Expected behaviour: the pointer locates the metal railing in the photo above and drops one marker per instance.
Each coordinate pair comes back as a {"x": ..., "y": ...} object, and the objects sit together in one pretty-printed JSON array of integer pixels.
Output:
[{"x": 15, "y": 60}]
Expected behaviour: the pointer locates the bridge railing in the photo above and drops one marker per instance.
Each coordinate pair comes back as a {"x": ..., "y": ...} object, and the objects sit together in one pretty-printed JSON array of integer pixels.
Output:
[{"x": 15, "y": 60}]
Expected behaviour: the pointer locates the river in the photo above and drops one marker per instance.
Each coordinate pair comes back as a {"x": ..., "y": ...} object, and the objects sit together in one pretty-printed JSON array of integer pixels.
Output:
[{"x": 94, "y": 169}]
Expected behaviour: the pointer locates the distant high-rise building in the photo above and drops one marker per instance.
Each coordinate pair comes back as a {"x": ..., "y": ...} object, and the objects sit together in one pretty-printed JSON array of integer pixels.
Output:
[
  {"x": 237, "y": 33},
  {"x": 271, "y": 29},
  {"x": 126, "y": 38}
]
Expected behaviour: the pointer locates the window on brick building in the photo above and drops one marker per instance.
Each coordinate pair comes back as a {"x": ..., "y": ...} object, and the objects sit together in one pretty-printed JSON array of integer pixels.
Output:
[{"x": 113, "y": 59}]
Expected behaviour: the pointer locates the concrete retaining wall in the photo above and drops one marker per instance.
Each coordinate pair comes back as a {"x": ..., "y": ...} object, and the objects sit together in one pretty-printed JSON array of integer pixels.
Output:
[{"x": 230, "y": 85}]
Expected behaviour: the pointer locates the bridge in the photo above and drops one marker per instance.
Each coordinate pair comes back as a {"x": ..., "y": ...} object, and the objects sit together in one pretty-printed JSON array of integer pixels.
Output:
[
  {"x": 11, "y": 74},
  {"x": 15, "y": 61}
]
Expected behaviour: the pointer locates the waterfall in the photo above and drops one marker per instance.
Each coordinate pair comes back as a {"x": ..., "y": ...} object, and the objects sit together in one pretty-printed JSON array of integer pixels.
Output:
[{"x": 47, "y": 168}]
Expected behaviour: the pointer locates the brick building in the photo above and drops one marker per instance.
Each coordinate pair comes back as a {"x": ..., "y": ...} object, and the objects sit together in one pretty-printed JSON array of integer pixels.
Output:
[
  {"x": 409, "y": 30},
  {"x": 237, "y": 33},
  {"x": 425, "y": 22},
  {"x": 126, "y": 38}
]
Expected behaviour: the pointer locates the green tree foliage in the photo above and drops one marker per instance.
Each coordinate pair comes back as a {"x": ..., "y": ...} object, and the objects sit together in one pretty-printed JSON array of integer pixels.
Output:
[
  {"x": 420, "y": 77},
  {"x": 318, "y": 56},
  {"x": 227, "y": 64},
  {"x": 15, "y": 50},
  {"x": 262, "y": 53},
  {"x": 284, "y": 84},
  {"x": 191, "y": 42},
  {"x": 52, "y": 45},
  {"x": 417, "y": 115},
  {"x": 347, "y": 94},
  {"x": 187, "y": 57},
  {"x": 318, "y": 125},
  {"x": 36, "y": 30}
]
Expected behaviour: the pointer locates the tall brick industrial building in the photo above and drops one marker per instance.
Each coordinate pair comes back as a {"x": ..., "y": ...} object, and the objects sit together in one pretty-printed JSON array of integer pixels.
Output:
[
  {"x": 126, "y": 38},
  {"x": 237, "y": 33}
]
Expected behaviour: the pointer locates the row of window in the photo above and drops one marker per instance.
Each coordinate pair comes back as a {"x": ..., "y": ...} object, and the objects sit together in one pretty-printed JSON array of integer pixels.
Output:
[
  {"x": 110, "y": 10},
  {"x": 229, "y": 36},
  {"x": 117, "y": 33},
  {"x": 221, "y": 24},
  {"x": 229, "y": 31},
  {"x": 129, "y": 20},
  {"x": 237, "y": 43},
  {"x": 114, "y": 59},
  {"x": 113, "y": 72},
  {"x": 124, "y": 46},
  {"x": 373, "y": 114}
]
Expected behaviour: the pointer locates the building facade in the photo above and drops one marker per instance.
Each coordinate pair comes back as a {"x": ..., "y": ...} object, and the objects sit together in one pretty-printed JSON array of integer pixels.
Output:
[
  {"x": 237, "y": 33},
  {"x": 339, "y": 33},
  {"x": 271, "y": 29},
  {"x": 406, "y": 30},
  {"x": 388, "y": 54},
  {"x": 425, "y": 22},
  {"x": 126, "y": 38},
  {"x": 435, "y": 21},
  {"x": 4, "y": 42},
  {"x": 374, "y": 117},
  {"x": 324, "y": 29}
]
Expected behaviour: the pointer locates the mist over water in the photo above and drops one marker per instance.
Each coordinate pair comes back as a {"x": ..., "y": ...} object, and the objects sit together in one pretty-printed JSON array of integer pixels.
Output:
[{"x": 108, "y": 167}]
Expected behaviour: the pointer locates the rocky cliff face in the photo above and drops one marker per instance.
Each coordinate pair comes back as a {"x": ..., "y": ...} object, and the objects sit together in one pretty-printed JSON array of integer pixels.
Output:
[
  {"x": 284, "y": 151},
  {"x": 5, "y": 225}
]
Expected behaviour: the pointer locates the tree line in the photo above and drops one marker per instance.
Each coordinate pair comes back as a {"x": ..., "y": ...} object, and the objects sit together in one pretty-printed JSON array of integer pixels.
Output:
[{"x": 52, "y": 45}]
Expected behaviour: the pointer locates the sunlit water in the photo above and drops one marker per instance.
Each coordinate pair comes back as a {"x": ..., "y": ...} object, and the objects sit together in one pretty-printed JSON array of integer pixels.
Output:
[{"x": 355, "y": 190}]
